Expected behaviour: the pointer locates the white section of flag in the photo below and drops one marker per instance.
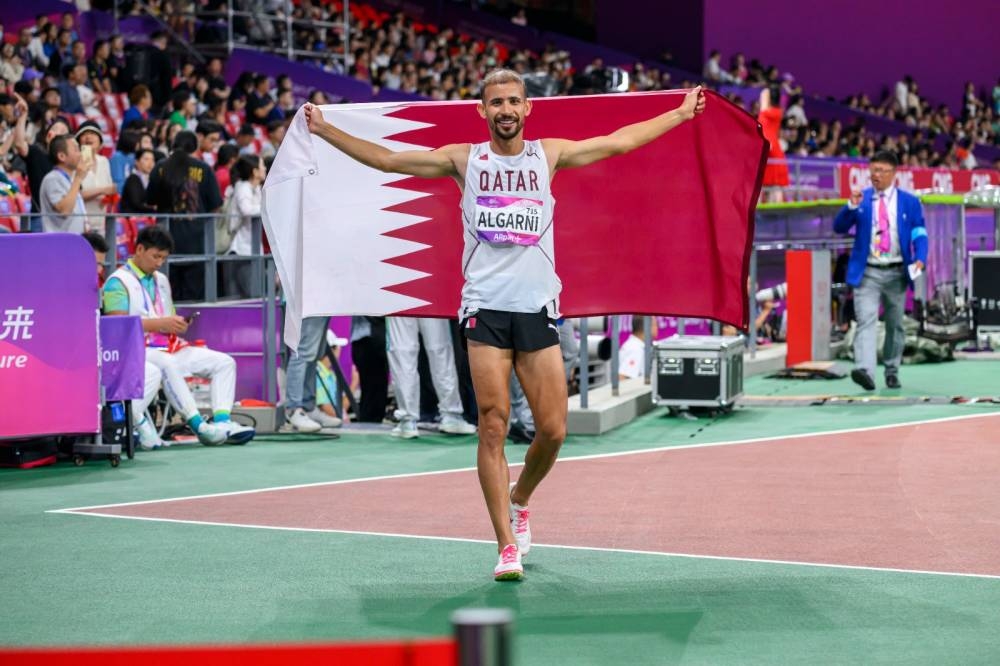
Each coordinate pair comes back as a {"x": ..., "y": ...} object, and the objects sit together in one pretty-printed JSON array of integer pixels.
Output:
[{"x": 325, "y": 217}]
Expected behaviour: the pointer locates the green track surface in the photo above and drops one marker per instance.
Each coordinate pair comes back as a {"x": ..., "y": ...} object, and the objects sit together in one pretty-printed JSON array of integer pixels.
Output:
[
  {"x": 959, "y": 378},
  {"x": 73, "y": 579}
]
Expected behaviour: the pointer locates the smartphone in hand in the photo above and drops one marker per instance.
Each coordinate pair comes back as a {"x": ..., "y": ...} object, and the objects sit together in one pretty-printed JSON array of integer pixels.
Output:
[{"x": 191, "y": 317}]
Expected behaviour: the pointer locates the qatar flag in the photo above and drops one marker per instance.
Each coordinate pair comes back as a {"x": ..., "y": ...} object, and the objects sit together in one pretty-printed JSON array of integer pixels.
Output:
[{"x": 663, "y": 230}]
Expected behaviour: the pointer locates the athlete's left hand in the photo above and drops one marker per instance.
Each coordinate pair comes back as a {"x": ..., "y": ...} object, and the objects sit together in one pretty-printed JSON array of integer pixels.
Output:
[{"x": 694, "y": 103}]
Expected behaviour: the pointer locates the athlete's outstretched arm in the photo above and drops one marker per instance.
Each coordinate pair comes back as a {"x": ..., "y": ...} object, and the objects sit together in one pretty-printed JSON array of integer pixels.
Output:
[
  {"x": 423, "y": 163},
  {"x": 581, "y": 153}
]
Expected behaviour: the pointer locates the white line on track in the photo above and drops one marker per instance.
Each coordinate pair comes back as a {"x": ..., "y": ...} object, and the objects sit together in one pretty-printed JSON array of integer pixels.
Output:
[
  {"x": 692, "y": 556},
  {"x": 88, "y": 510},
  {"x": 561, "y": 461}
]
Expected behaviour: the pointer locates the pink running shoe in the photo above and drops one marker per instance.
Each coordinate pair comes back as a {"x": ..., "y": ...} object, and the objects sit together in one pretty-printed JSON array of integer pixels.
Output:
[
  {"x": 509, "y": 567},
  {"x": 519, "y": 525}
]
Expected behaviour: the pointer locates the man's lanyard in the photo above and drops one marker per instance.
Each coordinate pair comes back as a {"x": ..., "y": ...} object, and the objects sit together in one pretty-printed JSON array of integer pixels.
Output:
[
  {"x": 170, "y": 342},
  {"x": 152, "y": 306},
  {"x": 79, "y": 195}
]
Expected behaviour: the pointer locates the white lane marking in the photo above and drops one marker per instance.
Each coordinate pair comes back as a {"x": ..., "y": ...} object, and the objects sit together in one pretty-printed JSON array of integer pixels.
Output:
[
  {"x": 568, "y": 459},
  {"x": 627, "y": 551}
]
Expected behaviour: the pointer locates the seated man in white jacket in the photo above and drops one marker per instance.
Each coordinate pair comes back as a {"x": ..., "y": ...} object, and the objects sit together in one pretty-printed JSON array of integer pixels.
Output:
[
  {"x": 152, "y": 377},
  {"x": 138, "y": 288}
]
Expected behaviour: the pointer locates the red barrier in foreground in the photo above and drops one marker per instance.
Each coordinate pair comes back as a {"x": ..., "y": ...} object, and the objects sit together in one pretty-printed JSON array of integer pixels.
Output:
[{"x": 436, "y": 652}]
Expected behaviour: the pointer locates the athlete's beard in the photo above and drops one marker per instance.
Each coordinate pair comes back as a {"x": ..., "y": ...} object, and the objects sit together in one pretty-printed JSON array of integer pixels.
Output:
[{"x": 506, "y": 135}]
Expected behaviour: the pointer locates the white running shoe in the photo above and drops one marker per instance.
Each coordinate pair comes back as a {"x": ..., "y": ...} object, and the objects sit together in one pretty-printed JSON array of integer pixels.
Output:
[
  {"x": 211, "y": 434},
  {"x": 406, "y": 429},
  {"x": 519, "y": 524},
  {"x": 456, "y": 425},
  {"x": 509, "y": 566},
  {"x": 300, "y": 422},
  {"x": 149, "y": 439},
  {"x": 324, "y": 419},
  {"x": 237, "y": 433}
]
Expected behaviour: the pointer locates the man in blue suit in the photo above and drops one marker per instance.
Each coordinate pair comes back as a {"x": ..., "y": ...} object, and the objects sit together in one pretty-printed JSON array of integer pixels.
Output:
[{"x": 889, "y": 240}]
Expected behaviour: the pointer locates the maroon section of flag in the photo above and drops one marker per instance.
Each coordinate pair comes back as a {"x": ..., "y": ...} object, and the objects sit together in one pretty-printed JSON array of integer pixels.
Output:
[{"x": 665, "y": 229}]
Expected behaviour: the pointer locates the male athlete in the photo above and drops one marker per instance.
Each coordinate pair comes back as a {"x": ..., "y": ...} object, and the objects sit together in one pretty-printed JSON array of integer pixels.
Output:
[{"x": 510, "y": 300}]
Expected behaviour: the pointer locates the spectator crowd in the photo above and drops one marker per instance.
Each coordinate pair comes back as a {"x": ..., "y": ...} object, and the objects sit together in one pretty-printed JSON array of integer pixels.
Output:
[
  {"x": 109, "y": 129},
  {"x": 932, "y": 137}
]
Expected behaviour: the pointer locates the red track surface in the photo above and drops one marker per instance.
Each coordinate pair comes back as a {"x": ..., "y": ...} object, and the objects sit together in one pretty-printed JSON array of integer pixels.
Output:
[{"x": 922, "y": 497}]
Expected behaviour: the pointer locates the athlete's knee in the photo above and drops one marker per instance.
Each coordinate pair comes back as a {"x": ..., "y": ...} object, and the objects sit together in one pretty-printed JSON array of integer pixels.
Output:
[
  {"x": 551, "y": 432},
  {"x": 493, "y": 423}
]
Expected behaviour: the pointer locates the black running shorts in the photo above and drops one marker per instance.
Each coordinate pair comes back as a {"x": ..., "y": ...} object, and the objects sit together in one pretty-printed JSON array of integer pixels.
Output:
[{"x": 521, "y": 331}]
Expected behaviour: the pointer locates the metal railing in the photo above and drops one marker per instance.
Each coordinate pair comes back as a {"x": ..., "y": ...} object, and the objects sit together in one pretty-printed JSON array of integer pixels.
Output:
[
  {"x": 809, "y": 178},
  {"x": 285, "y": 43},
  {"x": 156, "y": 16},
  {"x": 108, "y": 222},
  {"x": 263, "y": 289},
  {"x": 758, "y": 247}
]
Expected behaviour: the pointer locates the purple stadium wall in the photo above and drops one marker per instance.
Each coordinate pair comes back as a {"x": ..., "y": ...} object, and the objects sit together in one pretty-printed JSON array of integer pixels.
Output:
[
  {"x": 835, "y": 48},
  {"x": 840, "y": 48}
]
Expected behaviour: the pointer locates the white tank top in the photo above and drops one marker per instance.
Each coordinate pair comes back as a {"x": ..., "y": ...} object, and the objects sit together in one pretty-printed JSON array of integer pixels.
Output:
[{"x": 509, "y": 258}]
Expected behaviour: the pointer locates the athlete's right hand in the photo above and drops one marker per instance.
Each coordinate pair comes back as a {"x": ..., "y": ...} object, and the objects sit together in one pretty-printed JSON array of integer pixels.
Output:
[
  {"x": 314, "y": 118},
  {"x": 855, "y": 198}
]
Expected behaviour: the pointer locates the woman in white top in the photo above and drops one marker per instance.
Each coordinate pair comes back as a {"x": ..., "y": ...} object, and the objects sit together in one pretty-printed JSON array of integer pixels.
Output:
[
  {"x": 247, "y": 177},
  {"x": 11, "y": 67},
  {"x": 98, "y": 185}
]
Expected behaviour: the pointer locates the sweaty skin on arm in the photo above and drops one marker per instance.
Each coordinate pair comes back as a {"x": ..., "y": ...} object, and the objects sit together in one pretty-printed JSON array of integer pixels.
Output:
[
  {"x": 451, "y": 160},
  {"x": 445, "y": 161}
]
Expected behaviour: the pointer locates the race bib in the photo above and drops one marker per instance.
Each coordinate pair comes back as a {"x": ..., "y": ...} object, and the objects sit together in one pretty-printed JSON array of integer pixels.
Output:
[{"x": 505, "y": 220}]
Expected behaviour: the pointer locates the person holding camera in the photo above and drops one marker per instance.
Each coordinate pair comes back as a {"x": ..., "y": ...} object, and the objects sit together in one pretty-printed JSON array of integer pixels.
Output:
[
  {"x": 890, "y": 250},
  {"x": 98, "y": 187},
  {"x": 61, "y": 195},
  {"x": 138, "y": 288}
]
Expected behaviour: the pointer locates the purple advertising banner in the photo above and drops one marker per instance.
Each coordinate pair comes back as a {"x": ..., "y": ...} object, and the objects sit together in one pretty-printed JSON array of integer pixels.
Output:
[
  {"x": 96, "y": 25},
  {"x": 17, "y": 13},
  {"x": 48, "y": 336},
  {"x": 810, "y": 174},
  {"x": 305, "y": 77},
  {"x": 123, "y": 356},
  {"x": 236, "y": 329}
]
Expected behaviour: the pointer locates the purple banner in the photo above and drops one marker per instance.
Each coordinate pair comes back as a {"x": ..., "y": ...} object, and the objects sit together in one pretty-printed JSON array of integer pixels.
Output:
[
  {"x": 814, "y": 174},
  {"x": 237, "y": 329},
  {"x": 748, "y": 95},
  {"x": 305, "y": 77},
  {"x": 48, "y": 336},
  {"x": 123, "y": 356},
  {"x": 96, "y": 25},
  {"x": 390, "y": 95},
  {"x": 17, "y": 13}
]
